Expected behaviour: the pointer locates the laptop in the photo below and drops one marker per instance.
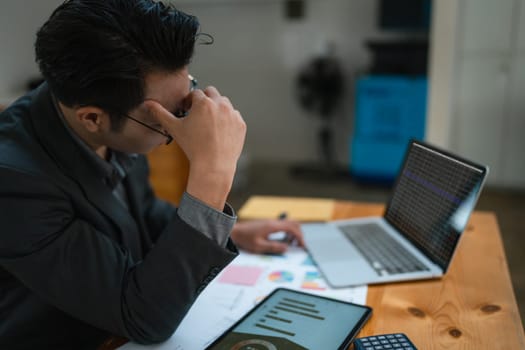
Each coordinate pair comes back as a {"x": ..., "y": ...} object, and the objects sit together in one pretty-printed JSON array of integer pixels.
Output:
[{"x": 433, "y": 197}]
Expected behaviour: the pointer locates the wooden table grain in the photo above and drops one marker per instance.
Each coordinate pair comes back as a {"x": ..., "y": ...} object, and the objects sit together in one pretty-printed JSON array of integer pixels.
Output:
[{"x": 472, "y": 307}]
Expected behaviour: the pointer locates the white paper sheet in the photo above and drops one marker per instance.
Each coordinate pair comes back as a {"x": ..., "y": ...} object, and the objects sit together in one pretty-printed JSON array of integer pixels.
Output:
[{"x": 221, "y": 304}]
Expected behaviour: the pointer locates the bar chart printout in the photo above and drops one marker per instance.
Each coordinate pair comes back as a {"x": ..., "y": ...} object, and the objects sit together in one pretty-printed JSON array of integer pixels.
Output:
[{"x": 295, "y": 321}]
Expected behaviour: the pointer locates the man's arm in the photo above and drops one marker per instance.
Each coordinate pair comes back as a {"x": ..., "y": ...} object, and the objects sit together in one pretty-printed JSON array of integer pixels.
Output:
[
  {"x": 216, "y": 225},
  {"x": 74, "y": 266}
]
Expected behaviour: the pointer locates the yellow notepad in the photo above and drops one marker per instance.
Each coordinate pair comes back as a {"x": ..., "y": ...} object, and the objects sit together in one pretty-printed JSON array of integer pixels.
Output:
[{"x": 296, "y": 208}]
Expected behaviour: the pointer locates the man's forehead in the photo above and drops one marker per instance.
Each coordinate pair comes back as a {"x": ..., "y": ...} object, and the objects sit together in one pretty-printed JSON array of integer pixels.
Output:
[{"x": 167, "y": 88}]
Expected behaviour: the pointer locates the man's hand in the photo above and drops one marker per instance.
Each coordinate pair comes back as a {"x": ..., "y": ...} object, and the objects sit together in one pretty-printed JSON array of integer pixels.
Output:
[
  {"x": 212, "y": 137},
  {"x": 253, "y": 235}
]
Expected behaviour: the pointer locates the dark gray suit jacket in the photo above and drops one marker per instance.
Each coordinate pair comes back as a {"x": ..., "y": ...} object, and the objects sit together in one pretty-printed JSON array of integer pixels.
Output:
[{"x": 75, "y": 265}]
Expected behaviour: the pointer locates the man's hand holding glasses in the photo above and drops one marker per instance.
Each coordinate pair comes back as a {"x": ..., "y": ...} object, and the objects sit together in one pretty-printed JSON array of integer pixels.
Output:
[{"x": 212, "y": 137}]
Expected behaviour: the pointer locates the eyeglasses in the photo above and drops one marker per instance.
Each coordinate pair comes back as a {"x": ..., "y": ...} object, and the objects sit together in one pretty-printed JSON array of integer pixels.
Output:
[
  {"x": 165, "y": 134},
  {"x": 178, "y": 114}
]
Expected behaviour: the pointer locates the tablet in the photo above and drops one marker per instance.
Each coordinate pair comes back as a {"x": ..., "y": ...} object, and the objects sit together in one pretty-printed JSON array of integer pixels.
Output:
[{"x": 288, "y": 319}]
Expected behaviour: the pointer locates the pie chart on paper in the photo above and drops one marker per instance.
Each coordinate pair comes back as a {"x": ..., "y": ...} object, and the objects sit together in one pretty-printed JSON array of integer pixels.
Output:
[{"x": 281, "y": 276}]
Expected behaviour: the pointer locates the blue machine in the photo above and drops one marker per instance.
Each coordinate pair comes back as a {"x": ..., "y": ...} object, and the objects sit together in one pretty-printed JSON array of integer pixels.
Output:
[{"x": 390, "y": 110}]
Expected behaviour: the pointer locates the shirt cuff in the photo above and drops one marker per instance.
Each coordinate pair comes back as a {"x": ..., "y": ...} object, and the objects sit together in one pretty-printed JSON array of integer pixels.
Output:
[{"x": 214, "y": 224}]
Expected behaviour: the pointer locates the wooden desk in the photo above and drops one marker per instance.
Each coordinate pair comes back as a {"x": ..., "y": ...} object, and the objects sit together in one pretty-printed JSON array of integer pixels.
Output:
[{"x": 472, "y": 307}]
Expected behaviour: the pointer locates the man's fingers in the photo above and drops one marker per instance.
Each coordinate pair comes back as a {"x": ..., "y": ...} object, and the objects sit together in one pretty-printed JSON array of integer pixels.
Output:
[
  {"x": 292, "y": 228},
  {"x": 211, "y": 92},
  {"x": 161, "y": 114},
  {"x": 297, "y": 234},
  {"x": 272, "y": 247},
  {"x": 196, "y": 94}
]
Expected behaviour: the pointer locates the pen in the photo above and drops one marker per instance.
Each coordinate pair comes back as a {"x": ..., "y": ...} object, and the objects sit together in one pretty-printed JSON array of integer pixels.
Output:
[
  {"x": 280, "y": 236},
  {"x": 287, "y": 238}
]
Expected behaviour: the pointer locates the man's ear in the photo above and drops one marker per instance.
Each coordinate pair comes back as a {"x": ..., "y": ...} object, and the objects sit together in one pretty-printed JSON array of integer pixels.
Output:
[{"x": 93, "y": 118}]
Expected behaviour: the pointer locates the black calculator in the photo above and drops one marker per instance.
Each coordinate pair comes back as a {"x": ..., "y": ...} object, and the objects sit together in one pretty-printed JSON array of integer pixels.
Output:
[{"x": 394, "y": 341}]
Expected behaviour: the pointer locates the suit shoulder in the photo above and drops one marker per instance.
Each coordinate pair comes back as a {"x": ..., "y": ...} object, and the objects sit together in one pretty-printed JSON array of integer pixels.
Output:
[{"x": 19, "y": 147}]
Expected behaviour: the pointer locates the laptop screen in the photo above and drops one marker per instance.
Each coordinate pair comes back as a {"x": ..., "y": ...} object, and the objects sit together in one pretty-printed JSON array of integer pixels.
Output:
[{"x": 434, "y": 196}]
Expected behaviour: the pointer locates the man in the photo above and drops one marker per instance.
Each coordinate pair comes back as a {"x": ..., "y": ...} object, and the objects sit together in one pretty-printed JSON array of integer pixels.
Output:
[{"x": 86, "y": 250}]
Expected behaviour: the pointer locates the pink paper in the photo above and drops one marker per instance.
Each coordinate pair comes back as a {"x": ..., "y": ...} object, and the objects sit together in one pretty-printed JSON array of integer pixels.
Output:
[{"x": 245, "y": 275}]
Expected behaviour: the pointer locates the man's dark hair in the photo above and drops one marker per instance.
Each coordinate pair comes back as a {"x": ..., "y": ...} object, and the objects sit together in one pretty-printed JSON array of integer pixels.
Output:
[{"x": 98, "y": 52}]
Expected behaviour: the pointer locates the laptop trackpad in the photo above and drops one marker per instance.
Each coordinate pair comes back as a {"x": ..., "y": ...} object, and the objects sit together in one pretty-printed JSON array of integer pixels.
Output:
[
  {"x": 333, "y": 250},
  {"x": 346, "y": 273},
  {"x": 342, "y": 264},
  {"x": 329, "y": 244}
]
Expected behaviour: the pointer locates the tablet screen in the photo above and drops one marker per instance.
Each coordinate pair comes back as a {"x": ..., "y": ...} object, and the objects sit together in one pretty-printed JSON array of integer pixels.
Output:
[{"x": 288, "y": 319}]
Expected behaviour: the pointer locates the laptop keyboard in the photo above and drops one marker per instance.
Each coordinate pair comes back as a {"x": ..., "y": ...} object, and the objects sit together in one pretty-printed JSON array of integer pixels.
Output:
[{"x": 383, "y": 253}]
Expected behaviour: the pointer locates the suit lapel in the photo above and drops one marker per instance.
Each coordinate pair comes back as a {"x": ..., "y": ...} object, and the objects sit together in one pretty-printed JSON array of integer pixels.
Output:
[
  {"x": 136, "y": 209},
  {"x": 67, "y": 154}
]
